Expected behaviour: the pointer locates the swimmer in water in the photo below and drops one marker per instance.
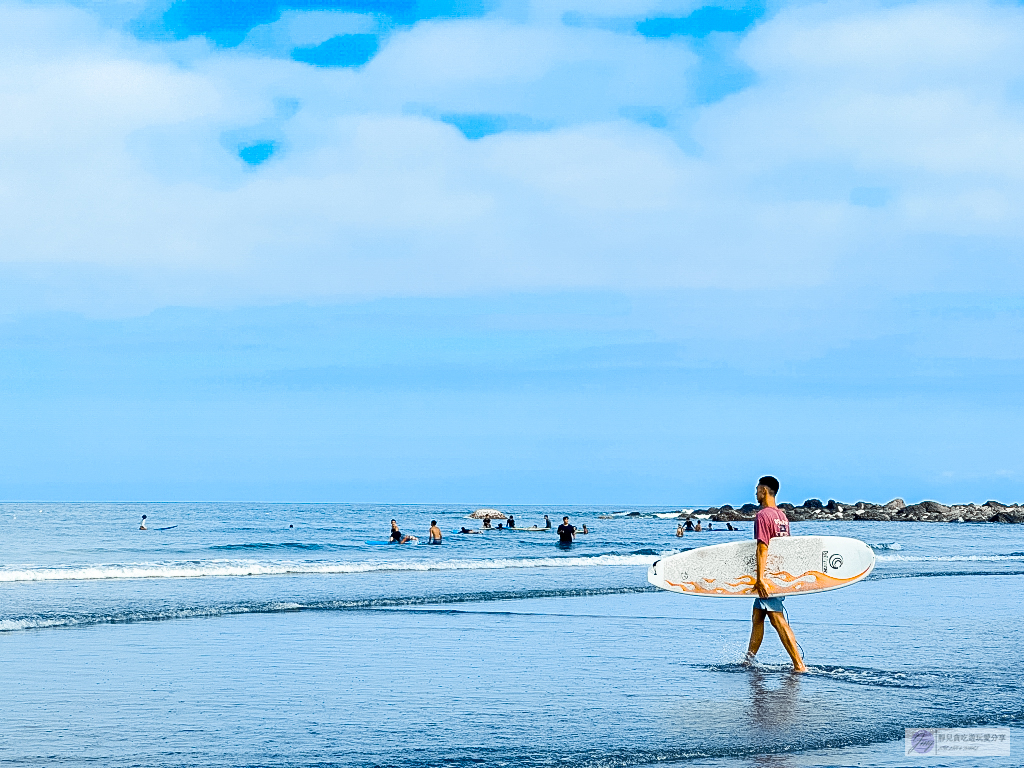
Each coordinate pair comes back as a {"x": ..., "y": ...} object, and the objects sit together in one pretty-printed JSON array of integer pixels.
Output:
[
  {"x": 143, "y": 526},
  {"x": 435, "y": 533}
]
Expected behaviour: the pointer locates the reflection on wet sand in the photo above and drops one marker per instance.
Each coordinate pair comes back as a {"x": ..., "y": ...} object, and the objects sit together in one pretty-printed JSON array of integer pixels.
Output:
[{"x": 773, "y": 706}]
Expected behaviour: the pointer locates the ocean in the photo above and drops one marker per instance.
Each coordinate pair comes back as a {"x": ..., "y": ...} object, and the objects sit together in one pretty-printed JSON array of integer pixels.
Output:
[{"x": 276, "y": 635}]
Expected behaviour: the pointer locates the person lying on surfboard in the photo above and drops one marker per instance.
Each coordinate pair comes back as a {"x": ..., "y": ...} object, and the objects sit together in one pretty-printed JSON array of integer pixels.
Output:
[{"x": 769, "y": 523}]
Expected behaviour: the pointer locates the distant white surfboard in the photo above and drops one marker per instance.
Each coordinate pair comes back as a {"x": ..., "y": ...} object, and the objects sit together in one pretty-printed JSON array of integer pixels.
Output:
[{"x": 796, "y": 565}]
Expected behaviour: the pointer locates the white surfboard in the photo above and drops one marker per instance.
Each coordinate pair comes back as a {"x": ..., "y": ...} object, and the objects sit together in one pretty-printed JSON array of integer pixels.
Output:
[{"x": 796, "y": 565}]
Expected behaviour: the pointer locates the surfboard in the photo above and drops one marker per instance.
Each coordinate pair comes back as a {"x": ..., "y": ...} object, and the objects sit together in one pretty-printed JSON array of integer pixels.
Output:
[
  {"x": 167, "y": 528},
  {"x": 531, "y": 529},
  {"x": 387, "y": 543},
  {"x": 796, "y": 565}
]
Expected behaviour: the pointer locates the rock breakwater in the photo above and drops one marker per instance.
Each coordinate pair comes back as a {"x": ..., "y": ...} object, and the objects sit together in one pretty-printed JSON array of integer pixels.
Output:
[{"x": 896, "y": 510}]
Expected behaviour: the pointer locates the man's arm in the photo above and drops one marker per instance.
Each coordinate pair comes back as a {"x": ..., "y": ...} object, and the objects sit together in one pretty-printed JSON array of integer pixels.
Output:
[{"x": 760, "y": 585}]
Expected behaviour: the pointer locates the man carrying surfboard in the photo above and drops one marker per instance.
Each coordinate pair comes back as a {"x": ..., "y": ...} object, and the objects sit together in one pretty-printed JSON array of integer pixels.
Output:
[{"x": 769, "y": 523}]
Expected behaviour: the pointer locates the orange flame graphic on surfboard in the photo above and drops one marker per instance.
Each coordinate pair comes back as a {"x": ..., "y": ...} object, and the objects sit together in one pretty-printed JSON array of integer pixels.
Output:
[{"x": 785, "y": 584}]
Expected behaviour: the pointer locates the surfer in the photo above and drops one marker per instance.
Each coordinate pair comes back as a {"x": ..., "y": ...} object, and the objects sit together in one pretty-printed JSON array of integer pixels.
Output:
[
  {"x": 397, "y": 537},
  {"x": 487, "y": 522},
  {"x": 143, "y": 526},
  {"x": 697, "y": 529},
  {"x": 689, "y": 524},
  {"x": 729, "y": 526},
  {"x": 769, "y": 523},
  {"x": 679, "y": 530},
  {"x": 547, "y": 522},
  {"x": 435, "y": 533},
  {"x": 511, "y": 521},
  {"x": 566, "y": 533}
]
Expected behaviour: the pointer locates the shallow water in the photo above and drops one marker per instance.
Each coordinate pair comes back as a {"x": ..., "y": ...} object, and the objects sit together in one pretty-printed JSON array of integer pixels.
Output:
[{"x": 157, "y": 648}]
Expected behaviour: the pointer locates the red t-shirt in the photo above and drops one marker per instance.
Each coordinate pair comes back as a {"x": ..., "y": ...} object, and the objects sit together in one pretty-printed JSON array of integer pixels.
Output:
[{"x": 769, "y": 523}]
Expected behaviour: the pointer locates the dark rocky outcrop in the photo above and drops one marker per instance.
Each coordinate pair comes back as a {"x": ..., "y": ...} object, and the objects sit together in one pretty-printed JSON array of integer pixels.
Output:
[
  {"x": 1008, "y": 517},
  {"x": 896, "y": 510}
]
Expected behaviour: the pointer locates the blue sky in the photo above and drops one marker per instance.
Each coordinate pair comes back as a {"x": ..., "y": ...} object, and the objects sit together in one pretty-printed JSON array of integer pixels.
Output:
[{"x": 497, "y": 252}]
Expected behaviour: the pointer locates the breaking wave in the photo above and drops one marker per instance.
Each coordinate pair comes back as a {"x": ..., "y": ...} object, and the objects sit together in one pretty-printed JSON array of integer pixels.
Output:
[
  {"x": 949, "y": 558},
  {"x": 221, "y": 568}
]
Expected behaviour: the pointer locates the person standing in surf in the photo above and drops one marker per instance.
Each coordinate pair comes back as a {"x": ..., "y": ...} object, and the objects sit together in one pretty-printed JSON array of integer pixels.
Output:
[
  {"x": 435, "y": 533},
  {"x": 769, "y": 523},
  {"x": 566, "y": 533}
]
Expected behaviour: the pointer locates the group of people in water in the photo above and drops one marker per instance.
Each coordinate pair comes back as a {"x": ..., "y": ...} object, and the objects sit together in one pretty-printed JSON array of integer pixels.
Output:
[
  {"x": 566, "y": 532},
  {"x": 689, "y": 526}
]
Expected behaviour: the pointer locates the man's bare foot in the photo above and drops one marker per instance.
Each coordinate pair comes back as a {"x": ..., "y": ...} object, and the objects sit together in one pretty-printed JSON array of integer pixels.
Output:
[
  {"x": 802, "y": 669},
  {"x": 748, "y": 660}
]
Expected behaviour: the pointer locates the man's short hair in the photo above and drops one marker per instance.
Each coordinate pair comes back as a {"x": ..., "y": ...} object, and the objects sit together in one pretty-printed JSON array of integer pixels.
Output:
[{"x": 770, "y": 483}]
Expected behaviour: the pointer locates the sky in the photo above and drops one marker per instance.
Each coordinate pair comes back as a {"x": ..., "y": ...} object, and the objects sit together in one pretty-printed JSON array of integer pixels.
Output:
[{"x": 618, "y": 252}]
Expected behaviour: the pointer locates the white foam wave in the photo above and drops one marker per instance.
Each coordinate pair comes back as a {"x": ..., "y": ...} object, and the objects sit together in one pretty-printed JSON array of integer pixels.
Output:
[
  {"x": 215, "y": 568},
  {"x": 947, "y": 558},
  {"x": 13, "y": 625},
  {"x": 893, "y": 546}
]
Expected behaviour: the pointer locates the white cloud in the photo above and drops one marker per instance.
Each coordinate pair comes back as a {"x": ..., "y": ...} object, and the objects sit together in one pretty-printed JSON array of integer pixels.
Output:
[{"x": 114, "y": 160}]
